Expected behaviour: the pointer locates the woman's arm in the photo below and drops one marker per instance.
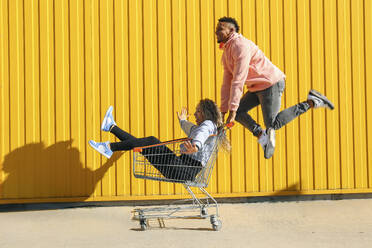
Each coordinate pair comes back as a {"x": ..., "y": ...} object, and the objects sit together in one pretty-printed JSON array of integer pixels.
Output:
[
  {"x": 185, "y": 125},
  {"x": 202, "y": 132},
  {"x": 189, "y": 148},
  {"x": 199, "y": 135}
]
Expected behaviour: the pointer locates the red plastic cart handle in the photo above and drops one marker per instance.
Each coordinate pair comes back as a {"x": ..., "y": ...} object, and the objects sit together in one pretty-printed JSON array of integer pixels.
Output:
[{"x": 230, "y": 124}]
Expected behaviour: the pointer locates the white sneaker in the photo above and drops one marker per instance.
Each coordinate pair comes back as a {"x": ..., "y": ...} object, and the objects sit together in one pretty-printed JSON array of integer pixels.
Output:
[
  {"x": 263, "y": 139},
  {"x": 108, "y": 120},
  {"x": 270, "y": 146},
  {"x": 267, "y": 141},
  {"x": 319, "y": 100},
  {"x": 101, "y": 147}
]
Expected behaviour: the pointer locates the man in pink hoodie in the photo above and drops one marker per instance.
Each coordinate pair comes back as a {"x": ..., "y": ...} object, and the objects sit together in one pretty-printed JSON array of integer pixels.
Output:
[{"x": 245, "y": 64}]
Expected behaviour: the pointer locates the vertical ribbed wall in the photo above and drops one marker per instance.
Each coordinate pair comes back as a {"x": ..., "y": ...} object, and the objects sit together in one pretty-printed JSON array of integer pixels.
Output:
[{"x": 62, "y": 63}]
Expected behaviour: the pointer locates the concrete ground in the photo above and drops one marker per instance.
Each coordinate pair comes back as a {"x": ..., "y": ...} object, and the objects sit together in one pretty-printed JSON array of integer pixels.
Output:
[{"x": 319, "y": 223}]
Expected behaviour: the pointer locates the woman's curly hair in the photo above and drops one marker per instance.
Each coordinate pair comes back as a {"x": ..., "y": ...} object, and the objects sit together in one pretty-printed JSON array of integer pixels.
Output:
[{"x": 211, "y": 112}]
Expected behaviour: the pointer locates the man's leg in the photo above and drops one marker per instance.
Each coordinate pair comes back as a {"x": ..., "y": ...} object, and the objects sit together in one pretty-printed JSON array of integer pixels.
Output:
[
  {"x": 270, "y": 102},
  {"x": 248, "y": 101}
]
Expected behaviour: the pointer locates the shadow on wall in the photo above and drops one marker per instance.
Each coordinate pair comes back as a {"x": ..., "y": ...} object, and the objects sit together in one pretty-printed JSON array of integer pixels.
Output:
[{"x": 36, "y": 171}]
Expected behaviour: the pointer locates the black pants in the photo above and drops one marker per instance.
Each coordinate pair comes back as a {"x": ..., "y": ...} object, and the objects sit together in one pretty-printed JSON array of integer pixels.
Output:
[{"x": 161, "y": 157}]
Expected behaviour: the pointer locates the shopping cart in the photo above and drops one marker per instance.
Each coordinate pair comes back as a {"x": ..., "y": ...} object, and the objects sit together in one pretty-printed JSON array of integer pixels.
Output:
[{"x": 165, "y": 162}]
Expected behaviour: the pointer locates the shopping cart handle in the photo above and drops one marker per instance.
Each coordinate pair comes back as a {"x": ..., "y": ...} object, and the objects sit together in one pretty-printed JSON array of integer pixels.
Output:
[{"x": 230, "y": 124}]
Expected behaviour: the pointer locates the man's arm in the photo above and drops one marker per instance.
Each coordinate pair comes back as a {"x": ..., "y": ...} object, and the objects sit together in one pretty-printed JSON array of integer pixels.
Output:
[
  {"x": 225, "y": 90},
  {"x": 241, "y": 58}
]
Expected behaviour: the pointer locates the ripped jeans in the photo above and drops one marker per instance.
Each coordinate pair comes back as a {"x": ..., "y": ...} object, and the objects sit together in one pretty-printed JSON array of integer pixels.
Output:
[{"x": 270, "y": 100}]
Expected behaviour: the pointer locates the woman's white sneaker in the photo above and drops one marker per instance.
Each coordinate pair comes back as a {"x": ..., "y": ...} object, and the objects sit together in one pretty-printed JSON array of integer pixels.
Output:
[
  {"x": 108, "y": 120},
  {"x": 101, "y": 147}
]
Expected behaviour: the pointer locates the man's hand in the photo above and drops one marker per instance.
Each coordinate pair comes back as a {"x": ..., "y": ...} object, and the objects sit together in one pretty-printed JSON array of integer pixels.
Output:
[
  {"x": 231, "y": 117},
  {"x": 183, "y": 115},
  {"x": 189, "y": 148}
]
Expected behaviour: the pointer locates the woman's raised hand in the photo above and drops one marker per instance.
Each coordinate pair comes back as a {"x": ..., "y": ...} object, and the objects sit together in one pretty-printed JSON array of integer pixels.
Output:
[{"x": 183, "y": 115}]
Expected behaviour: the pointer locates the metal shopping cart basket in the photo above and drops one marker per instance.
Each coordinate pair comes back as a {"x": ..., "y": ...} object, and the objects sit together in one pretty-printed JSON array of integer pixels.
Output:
[{"x": 165, "y": 162}]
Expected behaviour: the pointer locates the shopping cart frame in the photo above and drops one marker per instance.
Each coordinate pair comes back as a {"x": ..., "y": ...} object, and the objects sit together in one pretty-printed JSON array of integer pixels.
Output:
[{"x": 192, "y": 208}]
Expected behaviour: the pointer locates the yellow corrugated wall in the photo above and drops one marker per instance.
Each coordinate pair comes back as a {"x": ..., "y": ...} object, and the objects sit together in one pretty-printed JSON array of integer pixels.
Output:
[{"x": 62, "y": 63}]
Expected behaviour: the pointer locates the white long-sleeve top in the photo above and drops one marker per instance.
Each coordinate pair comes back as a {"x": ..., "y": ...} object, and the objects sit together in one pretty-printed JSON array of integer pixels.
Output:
[{"x": 201, "y": 137}]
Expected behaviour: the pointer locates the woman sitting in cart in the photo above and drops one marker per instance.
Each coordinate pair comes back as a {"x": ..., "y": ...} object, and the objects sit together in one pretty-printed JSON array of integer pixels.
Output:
[{"x": 195, "y": 151}]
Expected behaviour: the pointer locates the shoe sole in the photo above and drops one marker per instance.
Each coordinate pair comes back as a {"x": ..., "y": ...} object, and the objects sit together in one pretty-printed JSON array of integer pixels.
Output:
[
  {"x": 95, "y": 148},
  {"x": 270, "y": 147},
  {"x": 108, "y": 112},
  {"x": 325, "y": 99}
]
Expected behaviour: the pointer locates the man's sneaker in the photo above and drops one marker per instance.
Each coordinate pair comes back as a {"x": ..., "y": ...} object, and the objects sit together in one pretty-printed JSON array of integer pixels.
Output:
[
  {"x": 270, "y": 146},
  {"x": 319, "y": 100},
  {"x": 108, "y": 120},
  {"x": 263, "y": 139},
  {"x": 101, "y": 147},
  {"x": 267, "y": 141}
]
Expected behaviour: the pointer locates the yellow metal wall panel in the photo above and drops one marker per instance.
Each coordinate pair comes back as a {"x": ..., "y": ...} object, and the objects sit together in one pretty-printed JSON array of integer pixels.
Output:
[
  {"x": 248, "y": 29},
  {"x": 165, "y": 79},
  {"x": 290, "y": 96},
  {"x": 237, "y": 134},
  {"x": 150, "y": 81},
  {"x": 223, "y": 161},
  {"x": 345, "y": 93},
  {"x": 317, "y": 82},
  {"x": 122, "y": 112},
  {"x": 4, "y": 89},
  {"x": 277, "y": 57},
  {"x": 47, "y": 105},
  {"x": 179, "y": 59},
  {"x": 136, "y": 80},
  {"x": 368, "y": 73},
  {"x": 90, "y": 57},
  {"x": 358, "y": 102},
  {"x": 263, "y": 41},
  {"x": 304, "y": 81},
  {"x": 331, "y": 89},
  {"x": 62, "y": 63},
  {"x": 31, "y": 100},
  {"x": 207, "y": 82},
  {"x": 5, "y": 98}
]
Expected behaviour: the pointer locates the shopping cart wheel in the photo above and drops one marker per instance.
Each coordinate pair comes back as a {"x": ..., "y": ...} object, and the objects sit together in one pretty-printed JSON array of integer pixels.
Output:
[
  {"x": 143, "y": 225},
  {"x": 216, "y": 223},
  {"x": 204, "y": 212}
]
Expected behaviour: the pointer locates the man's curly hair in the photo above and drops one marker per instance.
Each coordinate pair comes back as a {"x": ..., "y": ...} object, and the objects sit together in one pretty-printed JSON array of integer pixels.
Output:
[{"x": 230, "y": 20}]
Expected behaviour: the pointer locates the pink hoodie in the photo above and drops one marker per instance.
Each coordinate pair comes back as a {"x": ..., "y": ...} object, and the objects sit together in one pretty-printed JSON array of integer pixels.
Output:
[{"x": 244, "y": 63}]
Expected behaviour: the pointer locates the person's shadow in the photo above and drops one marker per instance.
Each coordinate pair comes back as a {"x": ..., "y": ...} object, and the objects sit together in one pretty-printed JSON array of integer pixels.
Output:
[{"x": 35, "y": 171}]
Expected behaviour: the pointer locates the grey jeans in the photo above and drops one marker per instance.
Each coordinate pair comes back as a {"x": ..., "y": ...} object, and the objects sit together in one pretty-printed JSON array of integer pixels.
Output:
[{"x": 270, "y": 100}]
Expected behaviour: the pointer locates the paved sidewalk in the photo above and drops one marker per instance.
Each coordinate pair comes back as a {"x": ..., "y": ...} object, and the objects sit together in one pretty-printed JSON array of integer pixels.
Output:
[{"x": 325, "y": 223}]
